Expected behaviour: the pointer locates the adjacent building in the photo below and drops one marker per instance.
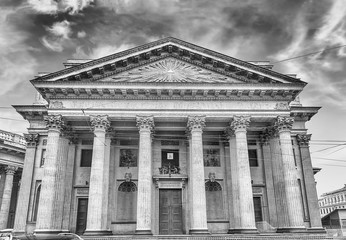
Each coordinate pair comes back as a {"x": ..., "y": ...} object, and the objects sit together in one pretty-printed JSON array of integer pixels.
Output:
[
  {"x": 167, "y": 138},
  {"x": 332, "y": 200},
  {"x": 12, "y": 151}
]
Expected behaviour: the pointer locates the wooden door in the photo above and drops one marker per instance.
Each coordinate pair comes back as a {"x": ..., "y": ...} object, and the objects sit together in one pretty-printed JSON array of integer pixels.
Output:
[
  {"x": 82, "y": 213},
  {"x": 170, "y": 212}
]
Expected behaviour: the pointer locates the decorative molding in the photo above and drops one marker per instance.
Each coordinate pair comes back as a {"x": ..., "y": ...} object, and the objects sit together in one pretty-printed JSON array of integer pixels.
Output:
[
  {"x": 172, "y": 70},
  {"x": 11, "y": 170},
  {"x": 100, "y": 122},
  {"x": 145, "y": 123},
  {"x": 54, "y": 122},
  {"x": 128, "y": 177},
  {"x": 56, "y": 105},
  {"x": 303, "y": 139},
  {"x": 211, "y": 176},
  {"x": 195, "y": 123},
  {"x": 31, "y": 139},
  {"x": 282, "y": 106},
  {"x": 240, "y": 123},
  {"x": 283, "y": 123}
]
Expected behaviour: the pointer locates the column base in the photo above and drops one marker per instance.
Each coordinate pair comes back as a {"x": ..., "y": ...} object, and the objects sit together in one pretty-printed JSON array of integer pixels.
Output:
[
  {"x": 316, "y": 230},
  {"x": 243, "y": 231},
  {"x": 97, "y": 232},
  {"x": 143, "y": 232},
  {"x": 199, "y": 232},
  {"x": 292, "y": 230}
]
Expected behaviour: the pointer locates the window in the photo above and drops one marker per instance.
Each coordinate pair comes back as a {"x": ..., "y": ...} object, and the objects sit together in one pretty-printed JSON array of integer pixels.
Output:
[
  {"x": 169, "y": 157},
  {"x": 253, "y": 157},
  {"x": 127, "y": 201},
  {"x": 258, "y": 209},
  {"x": 43, "y": 157},
  {"x": 211, "y": 157},
  {"x": 294, "y": 157},
  {"x": 36, "y": 201},
  {"x": 128, "y": 158},
  {"x": 214, "y": 199},
  {"x": 86, "y": 157}
]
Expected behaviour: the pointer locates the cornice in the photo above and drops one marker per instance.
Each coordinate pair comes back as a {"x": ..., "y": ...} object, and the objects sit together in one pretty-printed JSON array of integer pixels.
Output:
[{"x": 173, "y": 47}]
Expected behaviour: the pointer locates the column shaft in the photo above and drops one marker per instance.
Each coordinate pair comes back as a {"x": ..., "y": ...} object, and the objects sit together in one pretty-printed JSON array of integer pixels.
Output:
[
  {"x": 309, "y": 181},
  {"x": 293, "y": 198},
  {"x": 196, "y": 179},
  {"x": 26, "y": 183},
  {"x": 6, "y": 197},
  {"x": 144, "y": 213}
]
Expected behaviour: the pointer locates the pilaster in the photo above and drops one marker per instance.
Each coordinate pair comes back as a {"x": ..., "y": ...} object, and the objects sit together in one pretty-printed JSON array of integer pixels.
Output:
[
  {"x": 283, "y": 126},
  {"x": 145, "y": 125},
  {"x": 6, "y": 197},
  {"x": 25, "y": 186},
  {"x": 247, "y": 214},
  {"x": 310, "y": 185},
  {"x": 198, "y": 209}
]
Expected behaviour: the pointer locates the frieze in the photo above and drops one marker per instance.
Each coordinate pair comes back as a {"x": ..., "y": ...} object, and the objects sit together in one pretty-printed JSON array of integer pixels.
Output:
[
  {"x": 282, "y": 106},
  {"x": 83, "y": 191},
  {"x": 56, "y": 104}
]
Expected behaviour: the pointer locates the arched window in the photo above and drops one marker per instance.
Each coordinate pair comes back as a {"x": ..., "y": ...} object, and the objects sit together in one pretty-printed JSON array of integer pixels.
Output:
[
  {"x": 127, "y": 201},
  {"x": 36, "y": 202},
  {"x": 214, "y": 199}
]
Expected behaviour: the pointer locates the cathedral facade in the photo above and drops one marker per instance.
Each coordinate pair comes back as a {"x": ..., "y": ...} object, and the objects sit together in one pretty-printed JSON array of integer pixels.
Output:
[{"x": 168, "y": 138}]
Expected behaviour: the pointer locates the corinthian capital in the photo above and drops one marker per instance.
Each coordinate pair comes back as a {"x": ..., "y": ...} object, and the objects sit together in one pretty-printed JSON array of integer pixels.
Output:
[
  {"x": 11, "y": 169},
  {"x": 145, "y": 123},
  {"x": 303, "y": 139},
  {"x": 240, "y": 123},
  {"x": 283, "y": 123},
  {"x": 100, "y": 122},
  {"x": 31, "y": 139},
  {"x": 54, "y": 122},
  {"x": 195, "y": 123}
]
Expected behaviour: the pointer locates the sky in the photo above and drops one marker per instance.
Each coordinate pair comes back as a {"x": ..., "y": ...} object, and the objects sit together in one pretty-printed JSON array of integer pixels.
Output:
[{"x": 39, "y": 35}]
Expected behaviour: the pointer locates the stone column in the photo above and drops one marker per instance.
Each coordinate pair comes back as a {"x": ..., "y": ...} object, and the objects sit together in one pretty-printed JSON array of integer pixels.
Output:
[
  {"x": 247, "y": 214},
  {"x": 25, "y": 186},
  {"x": 235, "y": 222},
  {"x": 198, "y": 207},
  {"x": 144, "y": 213},
  {"x": 6, "y": 197},
  {"x": 310, "y": 185},
  {"x": 2, "y": 181},
  {"x": 48, "y": 208},
  {"x": 268, "y": 173},
  {"x": 283, "y": 126},
  {"x": 95, "y": 218}
]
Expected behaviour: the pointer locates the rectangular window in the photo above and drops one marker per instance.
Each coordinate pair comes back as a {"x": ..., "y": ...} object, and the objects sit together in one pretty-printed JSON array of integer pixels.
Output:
[
  {"x": 86, "y": 157},
  {"x": 211, "y": 157},
  {"x": 258, "y": 209},
  {"x": 294, "y": 157},
  {"x": 128, "y": 158},
  {"x": 43, "y": 157},
  {"x": 253, "y": 157}
]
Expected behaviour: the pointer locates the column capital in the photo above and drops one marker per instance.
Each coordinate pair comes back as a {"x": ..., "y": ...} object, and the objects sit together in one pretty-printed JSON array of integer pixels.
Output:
[
  {"x": 11, "y": 170},
  {"x": 229, "y": 133},
  {"x": 264, "y": 138},
  {"x": 31, "y": 139},
  {"x": 54, "y": 122},
  {"x": 303, "y": 139},
  {"x": 240, "y": 123},
  {"x": 145, "y": 123},
  {"x": 195, "y": 123},
  {"x": 100, "y": 122},
  {"x": 283, "y": 123}
]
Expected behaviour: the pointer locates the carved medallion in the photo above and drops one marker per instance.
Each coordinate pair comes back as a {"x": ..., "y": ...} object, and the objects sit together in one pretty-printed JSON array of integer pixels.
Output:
[{"x": 171, "y": 70}]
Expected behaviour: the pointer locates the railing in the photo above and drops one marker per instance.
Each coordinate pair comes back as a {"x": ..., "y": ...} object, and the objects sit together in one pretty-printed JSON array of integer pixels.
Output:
[{"x": 12, "y": 138}]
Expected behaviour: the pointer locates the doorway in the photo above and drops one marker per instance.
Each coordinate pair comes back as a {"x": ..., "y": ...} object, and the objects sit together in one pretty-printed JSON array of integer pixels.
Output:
[
  {"x": 82, "y": 213},
  {"x": 170, "y": 215}
]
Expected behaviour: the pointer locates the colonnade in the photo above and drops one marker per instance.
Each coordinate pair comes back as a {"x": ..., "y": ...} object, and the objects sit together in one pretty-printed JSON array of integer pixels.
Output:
[{"x": 286, "y": 189}]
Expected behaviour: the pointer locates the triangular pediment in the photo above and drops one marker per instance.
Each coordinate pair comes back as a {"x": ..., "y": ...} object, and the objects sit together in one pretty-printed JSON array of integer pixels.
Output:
[
  {"x": 170, "y": 70},
  {"x": 169, "y": 60}
]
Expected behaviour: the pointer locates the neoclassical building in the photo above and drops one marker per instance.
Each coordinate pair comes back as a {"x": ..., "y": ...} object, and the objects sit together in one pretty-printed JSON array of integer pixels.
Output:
[
  {"x": 12, "y": 151},
  {"x": 167, "y": 138}
]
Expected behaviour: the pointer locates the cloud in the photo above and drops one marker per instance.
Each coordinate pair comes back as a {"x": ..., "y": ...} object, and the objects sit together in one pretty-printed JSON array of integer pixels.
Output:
[
  {"x": 16, "y": 60},
  {"x": 59, "y": 33},
  {"x": 54, "y": 6}
]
